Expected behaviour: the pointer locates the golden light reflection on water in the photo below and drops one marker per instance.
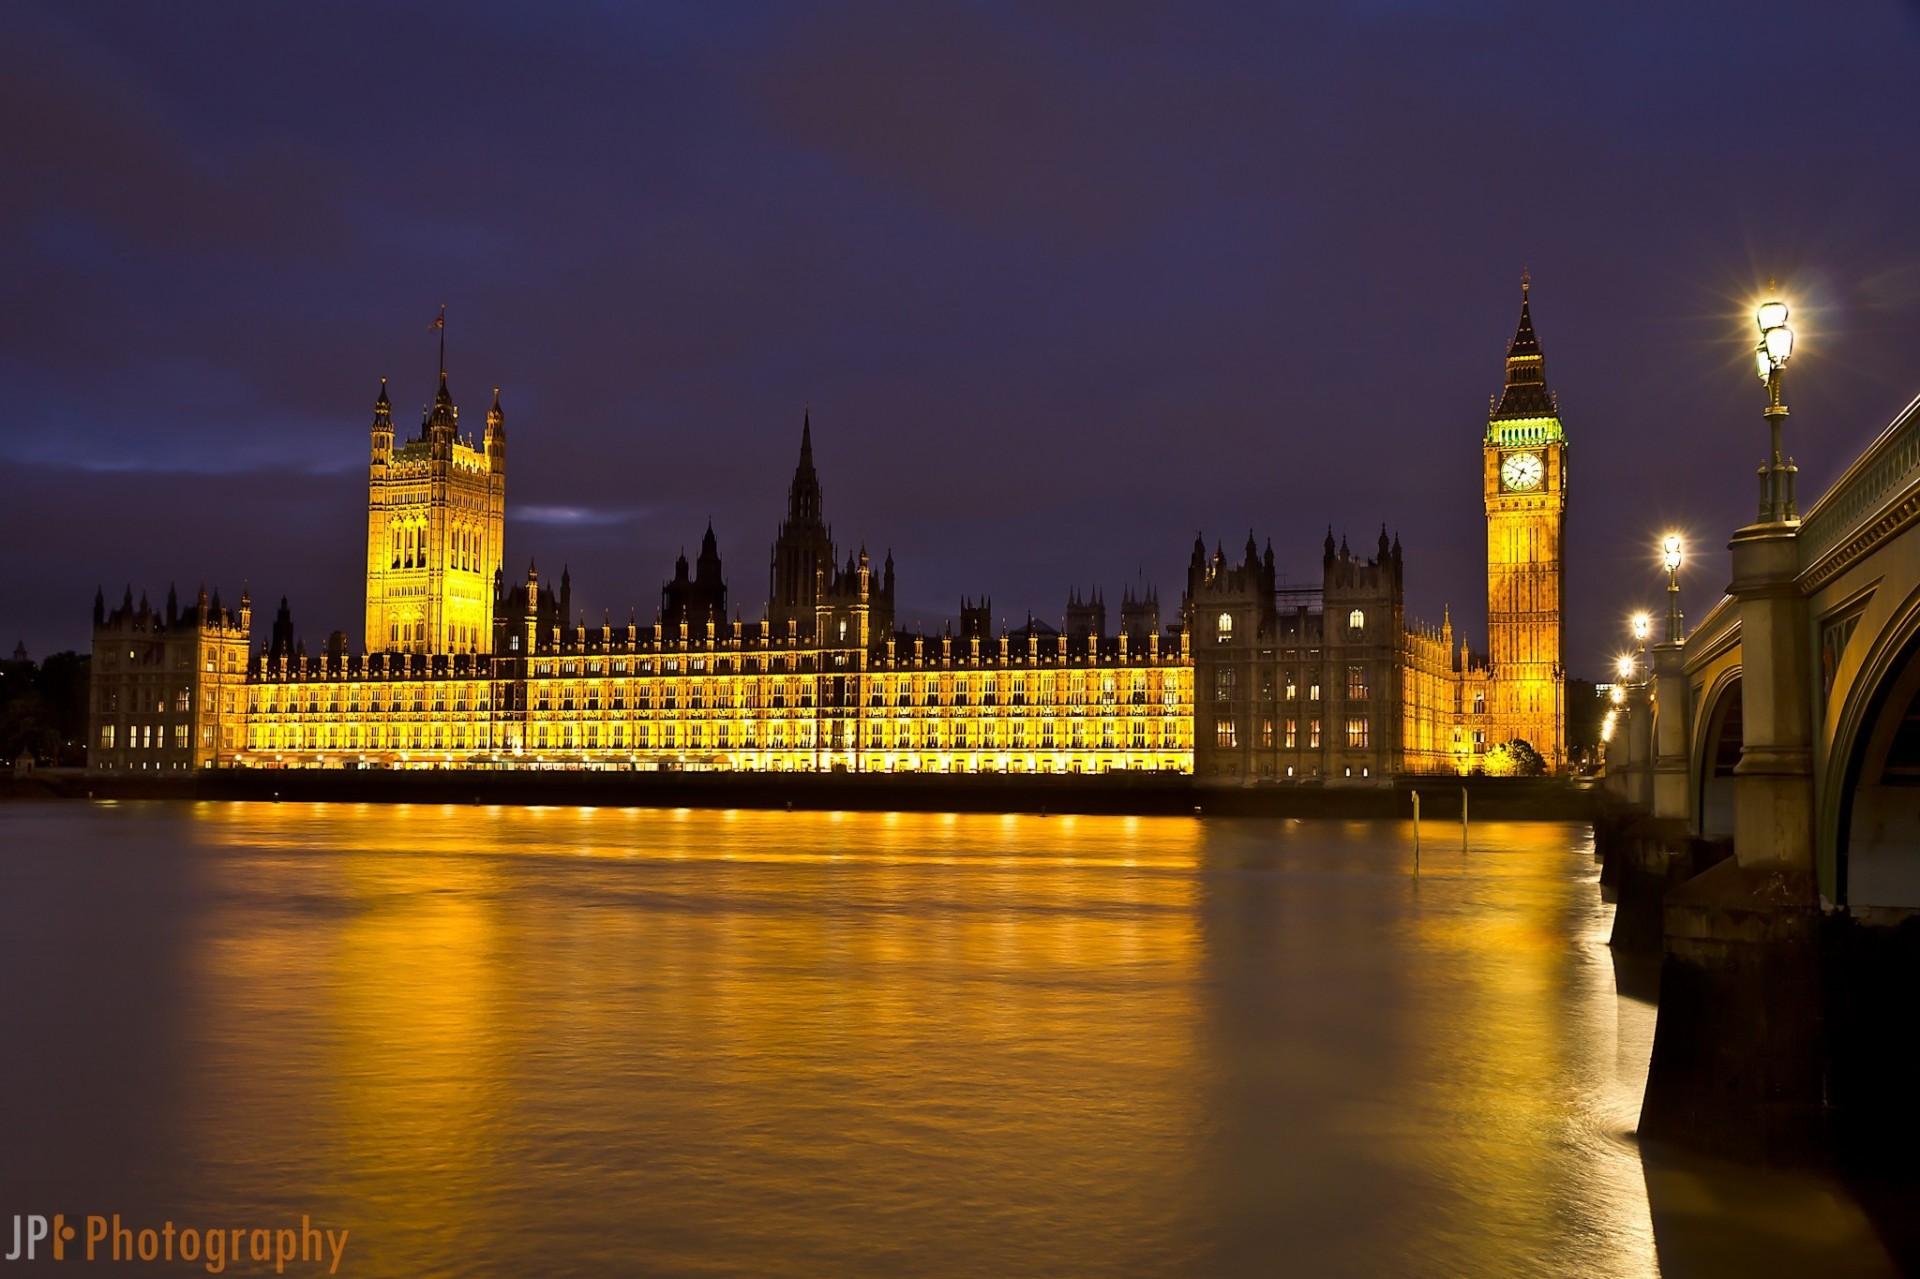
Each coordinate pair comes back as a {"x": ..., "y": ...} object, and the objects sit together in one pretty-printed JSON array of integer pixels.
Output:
[
  {"x": 772, "y": 1036},
  {"x": 592, "y": 1041}
]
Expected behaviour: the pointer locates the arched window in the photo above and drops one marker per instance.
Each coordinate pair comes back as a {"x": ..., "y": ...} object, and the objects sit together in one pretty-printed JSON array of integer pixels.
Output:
[
  {"x": 1223, "y": 627},
  {"x": 1356, "y": 620}
]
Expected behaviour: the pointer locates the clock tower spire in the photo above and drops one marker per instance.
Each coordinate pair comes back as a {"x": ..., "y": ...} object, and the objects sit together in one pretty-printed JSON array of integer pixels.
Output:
[{"x": 1524, "y": 483}]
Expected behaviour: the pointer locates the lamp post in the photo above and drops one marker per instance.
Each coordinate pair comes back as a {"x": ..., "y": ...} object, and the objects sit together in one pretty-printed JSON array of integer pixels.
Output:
[
  {"x": 1670, "y": 557},
  {"x": 1770, "y": 359},
  {"x": 1642, "y": 627}
]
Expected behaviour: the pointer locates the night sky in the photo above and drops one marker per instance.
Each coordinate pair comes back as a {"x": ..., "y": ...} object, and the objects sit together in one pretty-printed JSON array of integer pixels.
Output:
[{"x": 1060, "y": 283}]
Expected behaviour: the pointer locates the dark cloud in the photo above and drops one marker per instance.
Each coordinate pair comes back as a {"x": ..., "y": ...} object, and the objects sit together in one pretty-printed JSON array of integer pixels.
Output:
[{"x": 1060, "y": 282}]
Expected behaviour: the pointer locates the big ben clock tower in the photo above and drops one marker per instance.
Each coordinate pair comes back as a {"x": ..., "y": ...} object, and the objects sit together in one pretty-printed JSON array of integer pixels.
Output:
[{"x": 1524, "y": 480}]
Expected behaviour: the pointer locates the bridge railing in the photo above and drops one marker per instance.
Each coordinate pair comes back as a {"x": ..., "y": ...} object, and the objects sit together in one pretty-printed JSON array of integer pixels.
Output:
[{"x": 1885, "y": 476}]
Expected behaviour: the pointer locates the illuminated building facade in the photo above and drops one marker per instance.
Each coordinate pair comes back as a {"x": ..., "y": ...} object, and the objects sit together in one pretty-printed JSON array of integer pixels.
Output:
[
  {"x": 436, "y": 518},
  {"x": 1524, "y": 480},
  {"x": 463, "y": 668},
  {"x": 169, "y": 688},
  {"x": 1336, "y": 682}
]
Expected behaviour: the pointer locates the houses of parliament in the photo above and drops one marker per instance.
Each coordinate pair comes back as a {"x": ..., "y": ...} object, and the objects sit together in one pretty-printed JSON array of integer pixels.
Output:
[{"x": 465, "y": 664}]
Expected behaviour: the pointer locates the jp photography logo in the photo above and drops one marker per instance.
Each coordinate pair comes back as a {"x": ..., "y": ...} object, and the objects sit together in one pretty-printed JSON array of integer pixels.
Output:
[{"x": 306, "y": 1248}]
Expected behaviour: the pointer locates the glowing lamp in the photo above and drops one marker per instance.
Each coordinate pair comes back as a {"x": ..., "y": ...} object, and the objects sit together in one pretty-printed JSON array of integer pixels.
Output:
[
  {"x": 1642, "y": 623},
  {"x": 1779, "y": 344},
  {"x": 1625, "y": 667},
  {"x": 1771, "y": 315},
  {"x": 1619, "y": 694},
  {"x": 1762, "y": 362},
  {"x": 1670, "y": 552}
]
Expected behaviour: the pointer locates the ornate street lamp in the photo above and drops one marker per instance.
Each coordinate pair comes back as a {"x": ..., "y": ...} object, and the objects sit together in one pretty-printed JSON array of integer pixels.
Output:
[
  {"x": 1670, "y": 557},
  {"x": 1642, "y": 626},
  {"x": 1770, "y": 359}
]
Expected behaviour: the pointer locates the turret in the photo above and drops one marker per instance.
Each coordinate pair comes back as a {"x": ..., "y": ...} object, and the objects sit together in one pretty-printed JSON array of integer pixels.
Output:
[
  {"x": 382, "y": 431},
  {"x": 99, "y": 607},
  {"x": 442, "y": 422},
  {"x": 495, "y": 442},
  {"x": 530, "y": 621}
]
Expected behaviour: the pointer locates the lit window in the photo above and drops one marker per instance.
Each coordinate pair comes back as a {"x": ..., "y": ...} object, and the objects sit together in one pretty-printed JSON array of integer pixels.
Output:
[
  {"x": 1224, "y": 627},
  {"x": 1357, "y": 732},
  {"x": 1356, "y": 620}
]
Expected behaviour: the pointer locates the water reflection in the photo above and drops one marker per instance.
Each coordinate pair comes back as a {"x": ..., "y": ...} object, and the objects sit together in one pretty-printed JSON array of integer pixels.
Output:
[{"x": 589, "y": 1041}]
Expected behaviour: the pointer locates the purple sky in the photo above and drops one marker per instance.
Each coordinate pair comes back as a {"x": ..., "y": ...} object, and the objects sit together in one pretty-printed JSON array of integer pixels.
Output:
[{"x": 1060, "y": 282}]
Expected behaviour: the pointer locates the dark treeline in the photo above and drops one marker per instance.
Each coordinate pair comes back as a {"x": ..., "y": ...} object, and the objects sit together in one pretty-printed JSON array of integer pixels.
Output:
[{"x": 43, "y": 709}]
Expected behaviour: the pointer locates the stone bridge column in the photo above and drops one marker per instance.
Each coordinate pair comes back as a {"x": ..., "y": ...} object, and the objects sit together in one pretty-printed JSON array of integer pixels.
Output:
[
  {"x": 1639, "y": 733},
  {"x": 1739, "y": 1055},
  {"x": 1773, "y": 782},
  {"x": 1670, "y": 723}
]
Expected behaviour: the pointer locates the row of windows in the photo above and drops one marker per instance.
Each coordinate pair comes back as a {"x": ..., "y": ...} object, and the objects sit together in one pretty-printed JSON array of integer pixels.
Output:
[
  {"x": 460, "y": 637},
  {"x": 408, "y": 546},
  {"x": 1226, "y": 681},
  {"x": 1227, "y": 733},
  {"x": 149, "y": 736},
  {"x": 1223, "y": 625},
  {"x": 801, "y": 735},
  {"x": 1132, "y": 689}
]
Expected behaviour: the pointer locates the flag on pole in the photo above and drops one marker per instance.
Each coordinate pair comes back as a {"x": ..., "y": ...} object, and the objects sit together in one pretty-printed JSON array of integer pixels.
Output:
[{"x": 439, "y": 321}]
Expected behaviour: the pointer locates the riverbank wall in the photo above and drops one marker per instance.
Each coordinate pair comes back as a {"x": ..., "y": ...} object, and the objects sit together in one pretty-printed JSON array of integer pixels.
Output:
[{"x": 1492, "y": 799}]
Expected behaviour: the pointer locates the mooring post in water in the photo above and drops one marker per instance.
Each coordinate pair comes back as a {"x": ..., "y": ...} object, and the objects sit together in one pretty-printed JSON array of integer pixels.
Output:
[
  {"x": 1463, "y": 819},
  {"x": 1416, "y": 832}
]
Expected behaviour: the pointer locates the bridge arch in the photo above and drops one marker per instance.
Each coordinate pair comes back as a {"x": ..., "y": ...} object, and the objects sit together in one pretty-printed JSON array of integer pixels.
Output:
[
  {"x": 1716, "y": 749},
  {"x": 1874, "y": 776}
]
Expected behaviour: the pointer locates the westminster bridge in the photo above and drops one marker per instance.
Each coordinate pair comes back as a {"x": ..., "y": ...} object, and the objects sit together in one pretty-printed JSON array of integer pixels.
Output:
[{"x": 1768, "y": 768}]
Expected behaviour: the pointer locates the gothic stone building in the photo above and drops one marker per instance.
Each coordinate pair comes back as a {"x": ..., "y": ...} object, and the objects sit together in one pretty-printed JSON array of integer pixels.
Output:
[
  {"x": 1337, "y": 682},
  {"x": 462, "y": 668}
]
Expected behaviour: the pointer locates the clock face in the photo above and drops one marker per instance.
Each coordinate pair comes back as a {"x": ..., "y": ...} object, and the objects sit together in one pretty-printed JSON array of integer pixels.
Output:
[{"x": 1521, "y": 471}]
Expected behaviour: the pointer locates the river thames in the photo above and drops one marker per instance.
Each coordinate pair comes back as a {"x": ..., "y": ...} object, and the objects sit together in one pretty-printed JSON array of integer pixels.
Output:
[{"x": 519, "y": 1041}]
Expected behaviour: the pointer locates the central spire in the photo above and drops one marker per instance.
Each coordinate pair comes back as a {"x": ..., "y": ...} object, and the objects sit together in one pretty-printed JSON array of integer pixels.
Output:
[{"x": 803, "y": 495}]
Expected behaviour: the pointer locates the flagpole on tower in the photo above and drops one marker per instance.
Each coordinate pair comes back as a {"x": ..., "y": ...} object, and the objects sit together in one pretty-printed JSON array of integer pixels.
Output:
[{"x": 440, "y": 322}]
